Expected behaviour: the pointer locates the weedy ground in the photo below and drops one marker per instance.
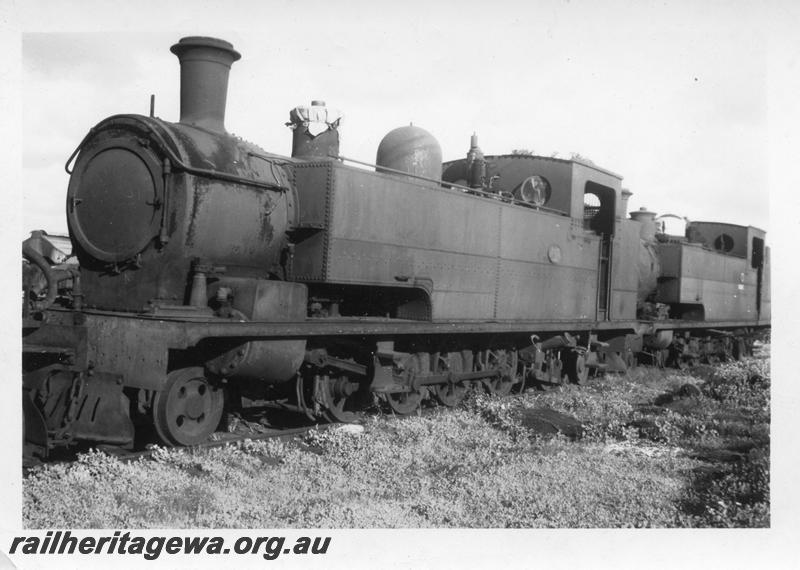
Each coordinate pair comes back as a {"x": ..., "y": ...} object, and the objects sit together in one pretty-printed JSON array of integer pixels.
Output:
[{"x": 654, "y": 453}]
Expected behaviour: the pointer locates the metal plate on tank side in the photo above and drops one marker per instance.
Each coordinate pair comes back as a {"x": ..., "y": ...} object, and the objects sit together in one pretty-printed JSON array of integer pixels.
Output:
[
  {"x": 530, "y": 283},
  {"x": 470, "y": 279},
  {"x": 308, "y": 261},
  {"x": 453, "y": 305},
  {"x": 701, "y": 263},
  {"x": 546, "y": 291},
  {"x": 371, "y": 262},
  {"x": 527, "y": 235},
  {"x": 721, "y": 300},
  {"x": 626, "y": 249},
  {"x": 713, "y": 279},
  {"x": 372, "y": 207},
  {"x": 623, "y": 305},
  {"x": 314, "y": 198},
  {"x": 391, "y": 230},
  {"x": 312, "y": 182},
  {"x": 624, "y": 275}
]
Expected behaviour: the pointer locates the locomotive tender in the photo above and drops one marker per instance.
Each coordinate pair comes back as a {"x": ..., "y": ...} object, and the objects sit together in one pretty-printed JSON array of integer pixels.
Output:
[{"x": 210, "y": 271}]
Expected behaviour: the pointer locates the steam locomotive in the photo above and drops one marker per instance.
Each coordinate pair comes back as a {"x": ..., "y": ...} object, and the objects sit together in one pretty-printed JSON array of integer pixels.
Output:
[{"x": 211, "y": 272}]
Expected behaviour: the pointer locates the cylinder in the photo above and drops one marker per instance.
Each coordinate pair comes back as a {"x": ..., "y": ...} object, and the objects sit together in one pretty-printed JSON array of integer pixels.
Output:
[
  {"x": 267, "y": 361},
  {"x": 413, "y": 150},
  {"x": 205, "y": 65}
]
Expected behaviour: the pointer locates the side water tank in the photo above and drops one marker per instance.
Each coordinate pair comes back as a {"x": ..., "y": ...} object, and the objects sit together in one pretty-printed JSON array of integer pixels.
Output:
[{"x": 413, "y": 150}]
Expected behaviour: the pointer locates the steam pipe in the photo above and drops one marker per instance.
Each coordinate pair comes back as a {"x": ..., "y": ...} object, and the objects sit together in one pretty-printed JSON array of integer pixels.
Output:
[
  {"x": 51, "y": 275},
  {"x": 52, "y": 283},
  {"x": 177, "y": 163}
]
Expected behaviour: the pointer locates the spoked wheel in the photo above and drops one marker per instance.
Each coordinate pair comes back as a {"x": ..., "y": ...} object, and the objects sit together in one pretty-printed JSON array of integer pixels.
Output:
[
  {"x": 505, "y": 362},
  {"x": 342, "y": 399},
  {"x": 188, "y": 409},
  {"x": 451, "y": 393}
]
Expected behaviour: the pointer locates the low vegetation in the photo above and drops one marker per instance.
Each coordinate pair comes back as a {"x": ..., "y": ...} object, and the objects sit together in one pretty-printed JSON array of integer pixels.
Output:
[{"x": 658, "y": 449}]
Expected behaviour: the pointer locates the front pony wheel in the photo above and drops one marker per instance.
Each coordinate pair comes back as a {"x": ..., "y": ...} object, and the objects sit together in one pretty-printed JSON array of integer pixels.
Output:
[{"x": 188, "y": 409}]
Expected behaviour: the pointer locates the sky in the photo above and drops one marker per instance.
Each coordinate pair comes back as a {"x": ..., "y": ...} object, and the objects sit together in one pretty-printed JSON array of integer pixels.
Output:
[
  {"x": 672, "y": 96},
  {"x": 693, "y": 103}
]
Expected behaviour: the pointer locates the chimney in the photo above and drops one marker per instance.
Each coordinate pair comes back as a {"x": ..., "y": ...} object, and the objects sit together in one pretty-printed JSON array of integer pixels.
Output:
[
  {"x": 623, "y": 207},
  {"x": 205, "y": 64}
]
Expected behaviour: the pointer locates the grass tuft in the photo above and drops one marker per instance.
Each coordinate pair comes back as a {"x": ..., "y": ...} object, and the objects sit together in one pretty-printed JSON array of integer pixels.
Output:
[{"x": 652, "y": 454}]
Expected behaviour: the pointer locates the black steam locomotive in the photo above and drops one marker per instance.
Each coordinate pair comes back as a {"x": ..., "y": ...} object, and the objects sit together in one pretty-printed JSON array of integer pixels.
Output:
[{"x": 210, "y": 271}]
